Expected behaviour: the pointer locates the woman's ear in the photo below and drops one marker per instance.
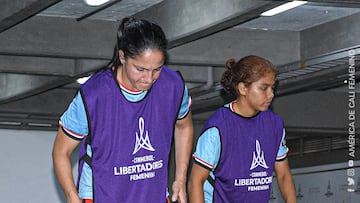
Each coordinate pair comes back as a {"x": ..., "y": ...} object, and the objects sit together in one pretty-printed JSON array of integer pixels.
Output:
[
  {"x": 122, "y": 56},
  {"x": 242, "y": 88}
]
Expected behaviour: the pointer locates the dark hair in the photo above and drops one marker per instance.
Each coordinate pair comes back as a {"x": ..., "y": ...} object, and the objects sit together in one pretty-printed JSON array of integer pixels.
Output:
[
  {"x": 247, "y": 70},
  {"x": 135, "y": 36}
]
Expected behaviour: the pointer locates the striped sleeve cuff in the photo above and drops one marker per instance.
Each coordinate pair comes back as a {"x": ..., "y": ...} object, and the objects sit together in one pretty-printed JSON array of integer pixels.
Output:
[
  {"x": 71, "y": 134},
  {"x": 203, "y": 163},
  {"x": 283, "y": 156}
]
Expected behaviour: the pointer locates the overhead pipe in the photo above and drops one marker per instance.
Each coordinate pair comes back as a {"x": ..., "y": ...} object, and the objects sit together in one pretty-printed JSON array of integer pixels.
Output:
[
  {"x": 207, "y": 86},
  {"x": 210, "y": 78}
]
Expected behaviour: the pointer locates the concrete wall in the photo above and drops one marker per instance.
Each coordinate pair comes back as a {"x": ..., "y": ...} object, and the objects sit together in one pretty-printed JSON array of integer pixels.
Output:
[
  {"x": 322, "y": 184},
  {"x": 316, "y": 109},
  {"x": 26, "y": 170}
]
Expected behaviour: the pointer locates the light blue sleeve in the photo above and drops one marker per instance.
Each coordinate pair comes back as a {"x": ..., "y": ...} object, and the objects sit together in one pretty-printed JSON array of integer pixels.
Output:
[
  {"x": 185, "y": 104},
  {"x": 208, "y": 148},
  {"x": 283, "y": 150},
  {"x": 74, "y": 120}
]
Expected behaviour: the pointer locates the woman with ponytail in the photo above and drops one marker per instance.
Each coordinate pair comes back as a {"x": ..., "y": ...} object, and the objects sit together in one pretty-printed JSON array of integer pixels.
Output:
[{"x": 125, "y": 118}]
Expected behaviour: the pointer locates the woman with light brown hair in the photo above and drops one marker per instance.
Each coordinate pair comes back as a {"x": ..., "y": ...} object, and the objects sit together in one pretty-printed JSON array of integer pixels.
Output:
[{"x": 243, "y": 142}]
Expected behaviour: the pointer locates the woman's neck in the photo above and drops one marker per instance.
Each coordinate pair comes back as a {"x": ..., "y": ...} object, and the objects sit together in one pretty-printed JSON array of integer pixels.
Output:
[
  {"x": 120, "y": 78},
  {"x": 243, "y": 109}
]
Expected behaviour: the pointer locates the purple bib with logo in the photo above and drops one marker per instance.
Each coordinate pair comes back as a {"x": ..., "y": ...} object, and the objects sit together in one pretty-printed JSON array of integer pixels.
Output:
[
  {"x": 248, "y": 152},
  {"x": 130, "y": 141}
]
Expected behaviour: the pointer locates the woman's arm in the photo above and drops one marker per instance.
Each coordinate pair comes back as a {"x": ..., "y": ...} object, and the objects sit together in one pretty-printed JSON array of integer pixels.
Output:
[
  {"x": 62, "y": 150},
  {"x": 183, "y": 146},
  {"x": 285, "y": 181},
  {"x": 196, "y": 183}
]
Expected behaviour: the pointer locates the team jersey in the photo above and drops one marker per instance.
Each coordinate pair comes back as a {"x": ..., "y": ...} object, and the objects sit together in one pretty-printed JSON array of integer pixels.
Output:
[
  {"x": 140, "y": 109},
  {"x": 211, "y": 148}
]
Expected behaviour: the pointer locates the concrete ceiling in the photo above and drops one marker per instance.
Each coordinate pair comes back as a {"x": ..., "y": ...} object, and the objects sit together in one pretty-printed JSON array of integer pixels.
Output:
[
  {"x": 115, "y": 10},
  {"x": 45, "y": 45},
  {"x": 304, "y": 17}
]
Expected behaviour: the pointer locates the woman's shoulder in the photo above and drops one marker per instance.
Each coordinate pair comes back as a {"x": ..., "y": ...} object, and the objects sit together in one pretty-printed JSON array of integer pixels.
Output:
[
  {"x": 102, "y": 74},
  {"x": 272, "y": 115},
  {"x": 171, "y": 73}
]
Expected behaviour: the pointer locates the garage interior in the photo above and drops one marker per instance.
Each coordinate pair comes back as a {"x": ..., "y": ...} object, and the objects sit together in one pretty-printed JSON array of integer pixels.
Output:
[{"x": 47, "y": 45}]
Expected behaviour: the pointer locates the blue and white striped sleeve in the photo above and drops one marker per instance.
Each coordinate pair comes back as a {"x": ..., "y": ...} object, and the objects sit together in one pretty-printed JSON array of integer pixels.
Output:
[
  {"x": 283, "y": 149},
  {"x": 185, "y": 104},
  {"x": 74, "y": 121},
  {"x": 208, "y": 149}
]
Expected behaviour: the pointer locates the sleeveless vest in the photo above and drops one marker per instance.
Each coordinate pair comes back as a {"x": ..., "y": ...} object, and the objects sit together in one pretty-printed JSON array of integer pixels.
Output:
[
  {"x": 130, "y": 141},
  {"x": 248, "y": 152}
]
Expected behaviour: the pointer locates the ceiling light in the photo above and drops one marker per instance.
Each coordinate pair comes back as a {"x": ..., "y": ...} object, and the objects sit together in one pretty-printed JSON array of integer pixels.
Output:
[
  {"x": 39, "y": 124},
  {"x": 95, "y": 2},
  {"x": 283, "y": 7},
  {"x": 10, "y": 123}
]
